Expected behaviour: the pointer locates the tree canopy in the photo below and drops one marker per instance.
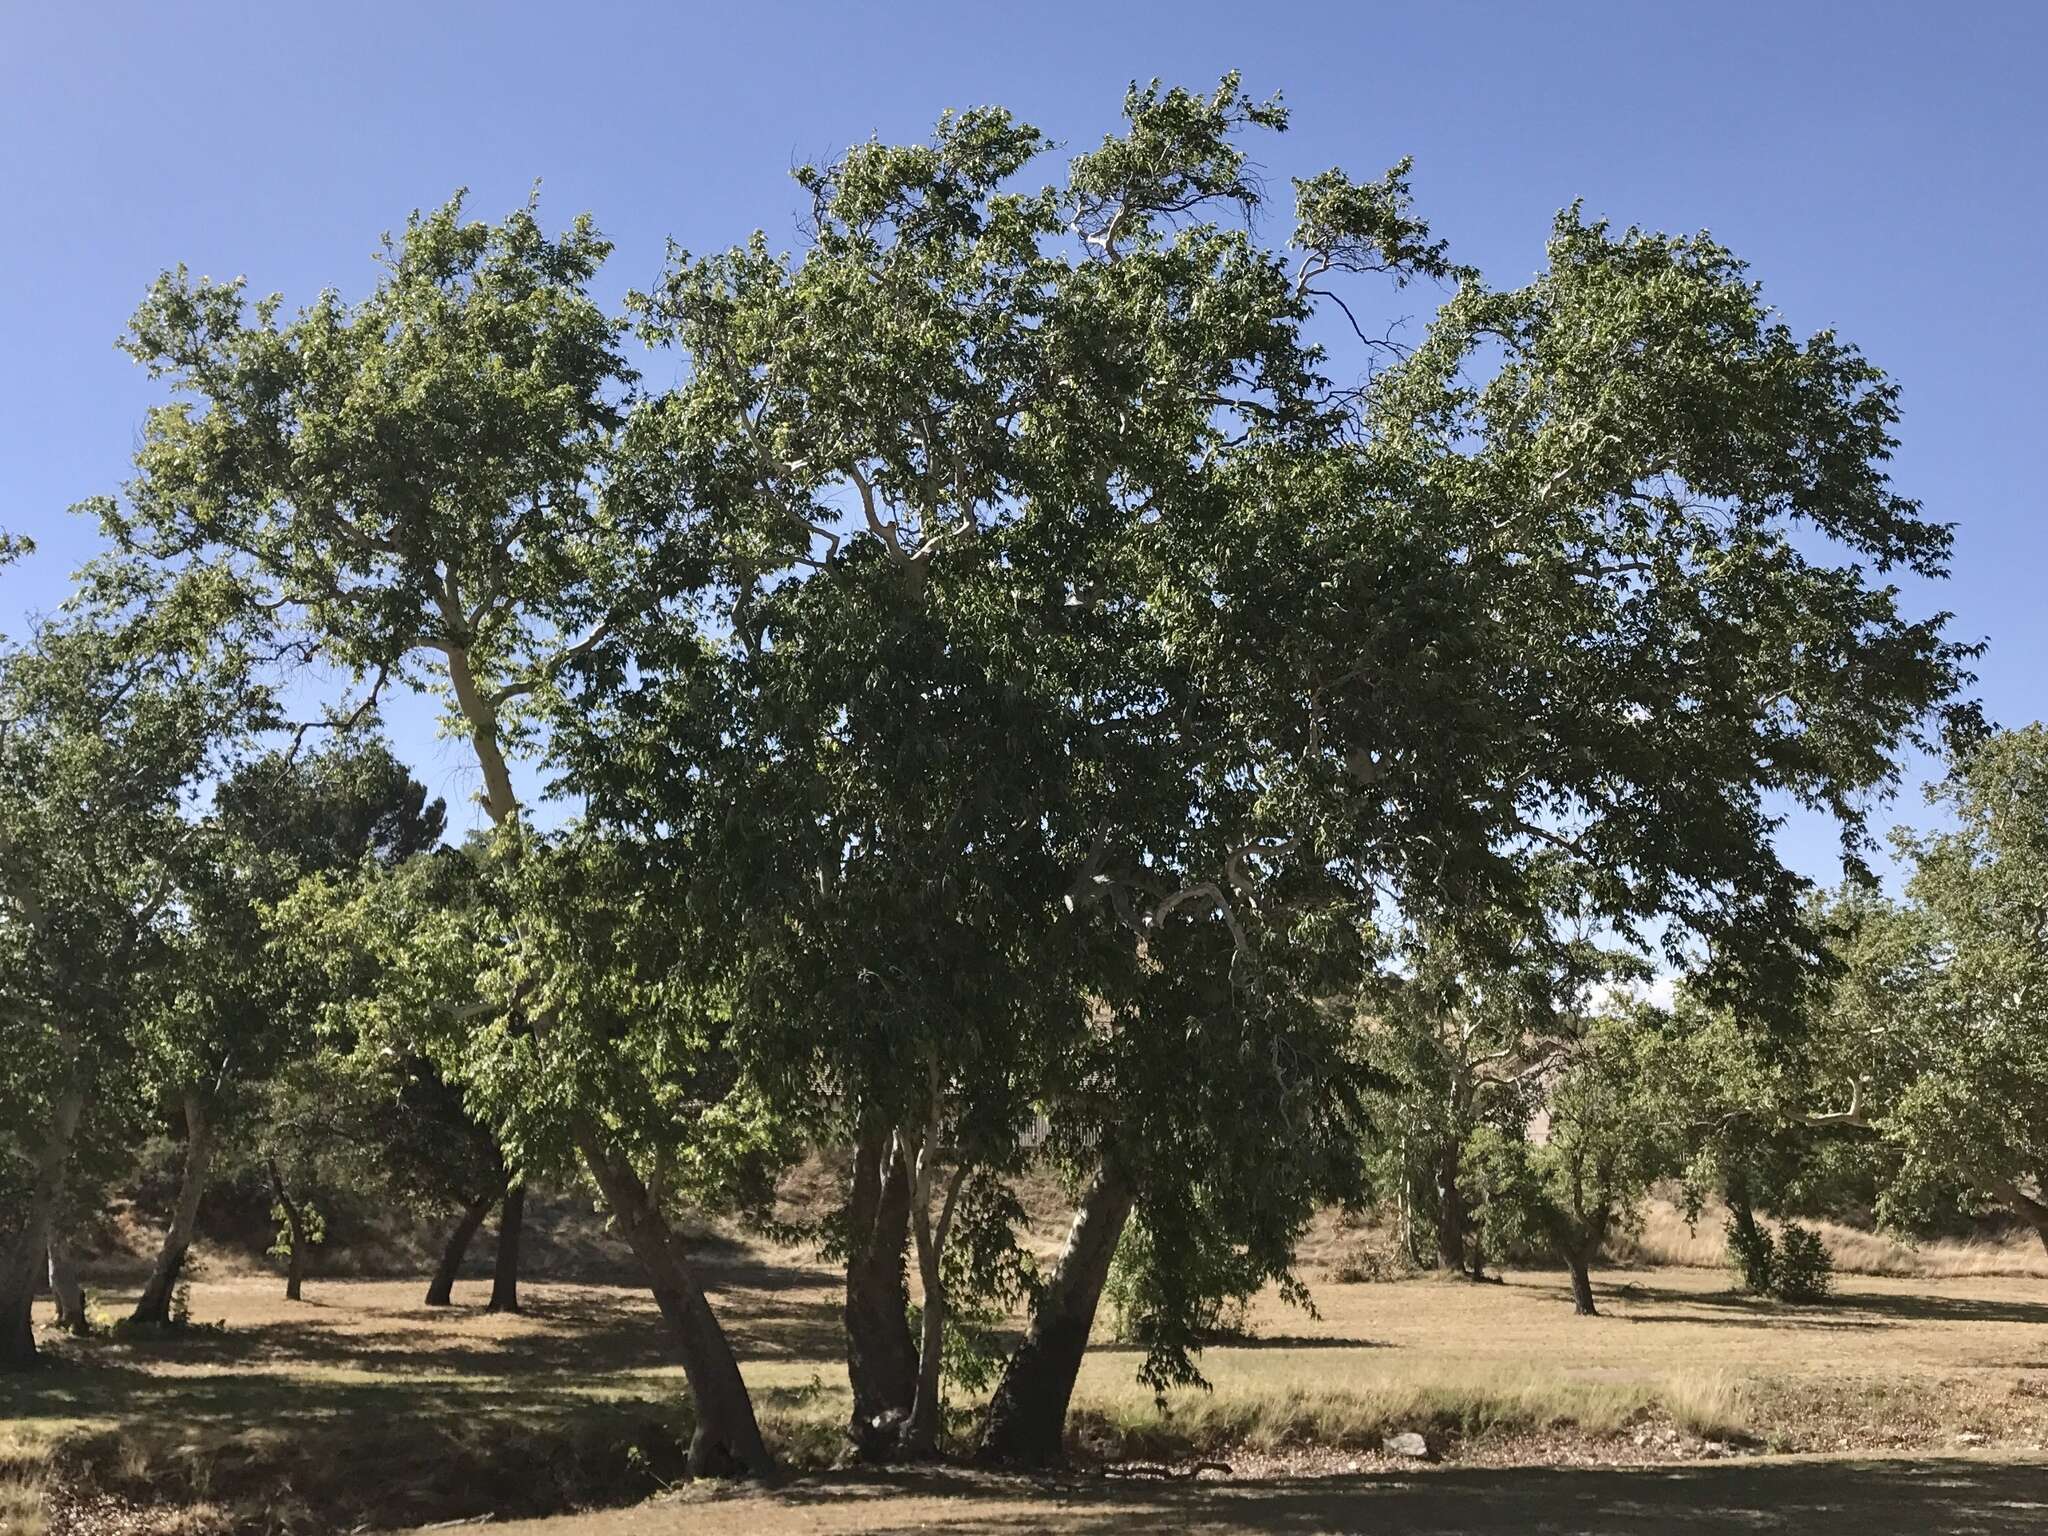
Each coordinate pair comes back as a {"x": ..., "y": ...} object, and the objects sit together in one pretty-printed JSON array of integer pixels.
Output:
[{"x": 1021, "y": 696}]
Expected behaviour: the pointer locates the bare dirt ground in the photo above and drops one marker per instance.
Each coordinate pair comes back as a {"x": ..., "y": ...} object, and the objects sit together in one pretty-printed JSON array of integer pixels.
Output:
[{"x": 1810, "y": 1497}]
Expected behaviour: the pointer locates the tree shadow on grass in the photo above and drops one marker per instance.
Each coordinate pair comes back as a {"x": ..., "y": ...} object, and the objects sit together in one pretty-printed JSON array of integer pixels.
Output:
[
  {"x": 376, "y": 1417},
  {"x": 1845, "y": 1309},
  {"x": 1819, "y": 1322},
  {"x": 1949, "y": 1309},
  {"x": 272, "y": 1401},
  {"x": 340, "y": 1364},
  {"x": 1252, "y": 1341}
]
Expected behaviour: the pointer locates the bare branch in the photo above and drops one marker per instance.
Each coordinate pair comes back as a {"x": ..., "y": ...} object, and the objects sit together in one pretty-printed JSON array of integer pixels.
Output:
[
  {"x": 365, "y": 707},
  {"x": 882, "y": 528},
  {"x": 1852, "y": 1116},
  {"x": 553, "y": 664}
]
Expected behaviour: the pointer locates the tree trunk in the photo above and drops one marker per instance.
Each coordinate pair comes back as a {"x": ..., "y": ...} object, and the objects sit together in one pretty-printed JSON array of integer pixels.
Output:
[
  {"x": 921, "y": 1434},
  {"x": 505, "y": 1272},
  {"x": 728, "y": 1438},
  {"x": 1450, "y": 1211},
  {"x": 155, "y": 1304},
  {"x": 295, "y": 1235},
  {"x": 26, "y": 1256},
  {"x": 442, "y": 1288},
  {"x": 1582, "y": 1286},
  {"x": 881, "y": 1358},
  {"x": 1027, "y": 1417},
  {"x": 65, "y": 1289},
  {"x": 1748, "y": 1240}
]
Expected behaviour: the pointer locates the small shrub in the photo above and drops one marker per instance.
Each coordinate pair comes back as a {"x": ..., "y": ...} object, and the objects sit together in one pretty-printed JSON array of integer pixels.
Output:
[
  {"x": 1793, "y": 1265},
  {"x": 640, "y": 1465},
  {"x": 1805, "y": 1272},
  {"x": 976, "y": 1345},
  {"x": 1373, "y": 1261}
]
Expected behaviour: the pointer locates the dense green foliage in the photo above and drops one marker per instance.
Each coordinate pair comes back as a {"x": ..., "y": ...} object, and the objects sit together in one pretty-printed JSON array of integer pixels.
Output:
[{"x": 1013, "y": 701}]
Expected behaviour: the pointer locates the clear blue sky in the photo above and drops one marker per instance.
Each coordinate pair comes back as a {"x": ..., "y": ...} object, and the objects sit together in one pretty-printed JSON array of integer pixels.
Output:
[{"x": 1883, "y": 166}]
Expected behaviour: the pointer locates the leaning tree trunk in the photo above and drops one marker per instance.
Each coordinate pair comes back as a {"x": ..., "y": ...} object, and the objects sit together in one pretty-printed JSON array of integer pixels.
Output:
[
  {"x": 295, "y": 1236},
  {"x": 65, "y": 1289},
  {"x": 2023, "y": 1205},
  {"x": 1748, "y": 1239},
  {"x": 24, "y": 1258},
  {"x": 1582, "y": 1285},
  {"x": 505, "y": 1269},
  {"x": 1027, "y": 1417},
  {"x": 881, "y": 1359},
  {"x": 728, "y": 1438},
  {"x": 155, "y": 1304},
  {"x": 442, "y": 1287}
]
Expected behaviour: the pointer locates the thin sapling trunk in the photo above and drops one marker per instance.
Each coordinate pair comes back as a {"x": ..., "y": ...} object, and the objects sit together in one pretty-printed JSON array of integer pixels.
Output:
[
  {"x": 295, "y": 1236},
  {"x": 65, "y": 1290},
  {"x": 921, "y": 1434}
]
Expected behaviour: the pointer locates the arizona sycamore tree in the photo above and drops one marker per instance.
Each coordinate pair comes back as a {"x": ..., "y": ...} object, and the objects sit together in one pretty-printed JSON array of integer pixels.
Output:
[{"x": 1015, "y": 672}]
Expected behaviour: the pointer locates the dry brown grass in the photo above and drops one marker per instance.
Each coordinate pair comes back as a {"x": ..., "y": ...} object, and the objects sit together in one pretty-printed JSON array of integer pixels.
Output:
[
  {"x": 1666, "y": 1240},
  {"x": 1893, "y": 1364},
  {"x": 24, "y": 1460},
  {"x": 361, "y": 1405}
]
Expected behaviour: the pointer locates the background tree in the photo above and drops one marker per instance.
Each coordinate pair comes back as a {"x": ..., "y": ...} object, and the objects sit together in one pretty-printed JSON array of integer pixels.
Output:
[
  {"x": 1470, "y": 1016},
  {"x": 111, "y": 718},
  {"x": 1578, "y": 1175},
  {"x": 1759, "y": 1109},
  {"x": 1938, "y": 1013},
  {"x": 233, "y": 1015},
  {"x": 414, "y": 1127}
]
